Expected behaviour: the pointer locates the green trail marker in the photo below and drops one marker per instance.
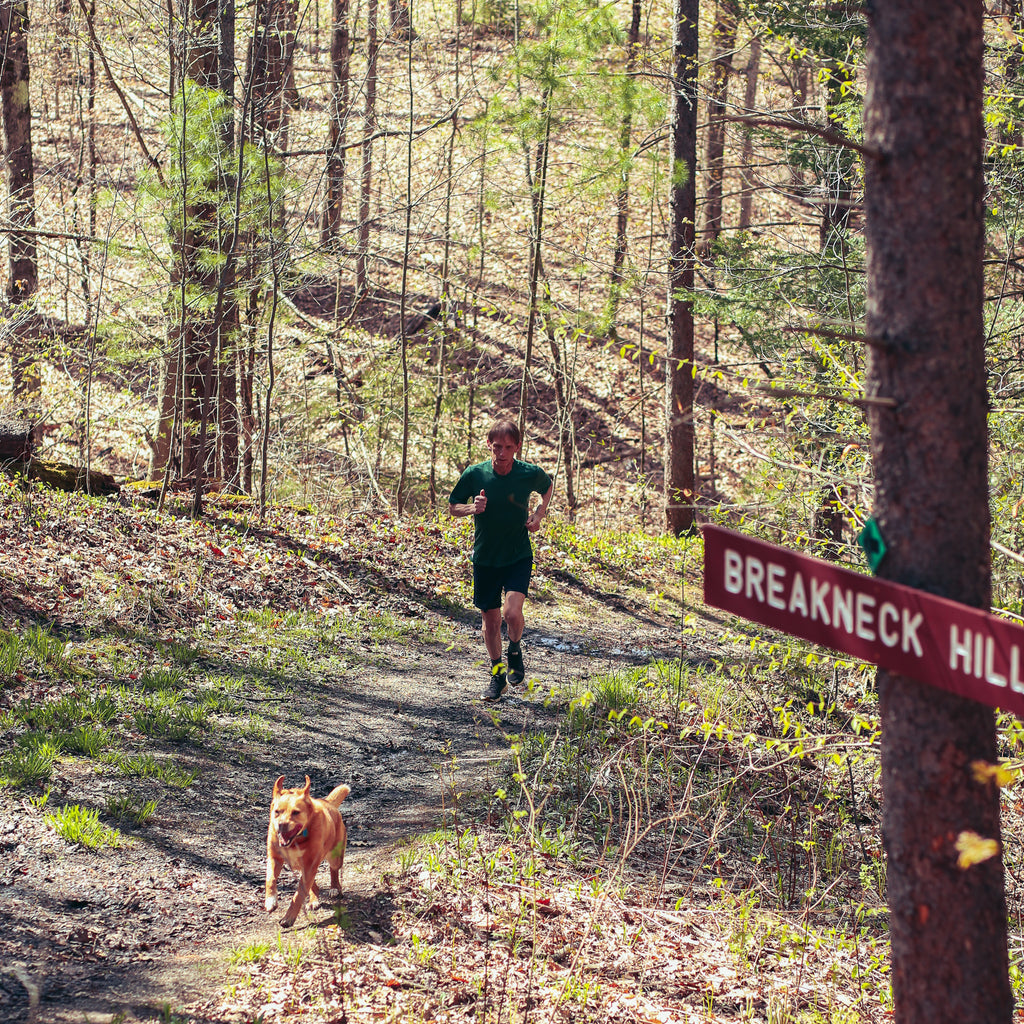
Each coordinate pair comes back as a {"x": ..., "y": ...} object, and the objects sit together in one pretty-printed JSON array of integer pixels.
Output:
[{"x": 870, "y": 539}]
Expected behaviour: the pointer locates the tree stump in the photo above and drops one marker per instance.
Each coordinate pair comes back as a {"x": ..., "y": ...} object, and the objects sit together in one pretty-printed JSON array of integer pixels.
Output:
[{"x": 15, "y": 439}]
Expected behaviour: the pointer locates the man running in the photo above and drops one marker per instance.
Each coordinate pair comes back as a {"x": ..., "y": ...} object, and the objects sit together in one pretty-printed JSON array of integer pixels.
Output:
[{"x": 497, "y": 494}]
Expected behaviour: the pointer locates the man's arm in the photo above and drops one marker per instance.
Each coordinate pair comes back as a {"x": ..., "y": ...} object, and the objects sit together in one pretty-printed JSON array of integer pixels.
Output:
[
  {"x": 533, "y": 523},
  {"x": 471, "y": 508}
]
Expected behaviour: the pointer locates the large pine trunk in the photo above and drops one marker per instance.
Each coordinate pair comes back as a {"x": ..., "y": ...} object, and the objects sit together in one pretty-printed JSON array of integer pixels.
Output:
[{"x": 925, "y": 242}]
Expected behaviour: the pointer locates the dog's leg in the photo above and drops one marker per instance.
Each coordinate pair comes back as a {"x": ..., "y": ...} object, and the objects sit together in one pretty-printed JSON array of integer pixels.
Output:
[
  {"x": 273, "y": 870},
  {"x": 337, "y": 860},
  {"x": 307, "y": 884},
  {"x": 314, "y": 894}
]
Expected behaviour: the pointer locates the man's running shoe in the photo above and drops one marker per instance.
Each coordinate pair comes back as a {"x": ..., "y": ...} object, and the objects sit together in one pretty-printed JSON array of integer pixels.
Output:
[
  {"x": 497, "y": 685},
  {"x": 516, "y": 668}
]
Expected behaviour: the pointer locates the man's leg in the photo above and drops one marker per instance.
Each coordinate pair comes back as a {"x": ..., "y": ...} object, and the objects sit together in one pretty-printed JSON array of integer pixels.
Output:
[
  {"x": 514, "y": 618},
  {"x": 514, "y": 622},
  {"x": 487, "y": 597},
  {"x": 491, "y": 628}
]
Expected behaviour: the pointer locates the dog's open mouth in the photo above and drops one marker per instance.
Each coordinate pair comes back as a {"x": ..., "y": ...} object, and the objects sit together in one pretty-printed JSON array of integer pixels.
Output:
[{"x": 287, "y": 838}]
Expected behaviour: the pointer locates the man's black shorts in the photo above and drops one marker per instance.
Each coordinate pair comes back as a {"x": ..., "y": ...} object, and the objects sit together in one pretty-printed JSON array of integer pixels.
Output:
[{"x": 490, "y": 580}]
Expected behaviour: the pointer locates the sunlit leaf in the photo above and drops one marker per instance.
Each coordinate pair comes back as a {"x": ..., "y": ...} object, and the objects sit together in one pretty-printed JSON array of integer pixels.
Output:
[
  {"x": 997, "y": 773},
  {"x": 974, "y": 849}
]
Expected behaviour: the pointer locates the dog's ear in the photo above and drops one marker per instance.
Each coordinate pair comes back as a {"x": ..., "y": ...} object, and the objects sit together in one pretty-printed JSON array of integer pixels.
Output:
[
  {"x": 305, "y": 791},
  {"x": 279, "y": 785}
]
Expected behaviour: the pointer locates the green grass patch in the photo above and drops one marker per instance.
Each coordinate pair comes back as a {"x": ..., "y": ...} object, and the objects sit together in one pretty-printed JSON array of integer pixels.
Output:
[
  {"x": 82, "y": 825},
  {"x": 30, "y": 761},
  {"x": 131, "y": 807},
  {"x": 86, "y": 739},
  {"x": 146, "y": 766},
  {"x": 253, "y": 953},
  {"x": 12, "y": 654}
]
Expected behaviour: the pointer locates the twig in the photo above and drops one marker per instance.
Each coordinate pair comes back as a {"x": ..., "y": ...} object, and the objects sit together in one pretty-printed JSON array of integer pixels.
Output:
[
  {"x": 821, "y": 332},
  {"x": 1006, "y": 551},
  {"x": 785, "y": 464},
  {"x": 30, "y": 987},
  {"x": 791, "y": 124},
  {"x": 383, "y": 133},
  {"x": 828, "y": 396}
]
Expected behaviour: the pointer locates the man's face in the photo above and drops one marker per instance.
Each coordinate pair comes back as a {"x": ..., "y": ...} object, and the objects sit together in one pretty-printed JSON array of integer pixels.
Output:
[{"x": 503, "y": 451}]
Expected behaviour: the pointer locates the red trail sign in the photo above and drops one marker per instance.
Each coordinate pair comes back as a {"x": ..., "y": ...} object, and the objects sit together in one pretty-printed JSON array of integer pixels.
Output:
[{"x": 965, "y": 650}]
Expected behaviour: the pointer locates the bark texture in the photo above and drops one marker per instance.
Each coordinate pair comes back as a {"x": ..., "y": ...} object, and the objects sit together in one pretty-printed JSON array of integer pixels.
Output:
[
  {"x": 369, "y": 124},
  {"x": 747, "y": 174},
  {"x": 925, "y": 239},
  {"x": 625, "y": 145}
]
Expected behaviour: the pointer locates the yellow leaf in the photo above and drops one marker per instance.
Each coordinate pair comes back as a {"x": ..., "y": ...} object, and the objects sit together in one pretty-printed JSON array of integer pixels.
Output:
[
  {"x": 997, "y": 773},
  {"x": 974, "y": 849}
]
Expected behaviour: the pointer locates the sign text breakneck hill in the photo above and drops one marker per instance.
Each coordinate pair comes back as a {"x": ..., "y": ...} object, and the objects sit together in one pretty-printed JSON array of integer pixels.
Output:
[{"x": 965, "y": 650}]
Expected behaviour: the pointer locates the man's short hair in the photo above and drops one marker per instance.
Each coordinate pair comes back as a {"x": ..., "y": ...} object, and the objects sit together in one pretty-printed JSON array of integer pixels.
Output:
[{"x": 504, "y": 428}]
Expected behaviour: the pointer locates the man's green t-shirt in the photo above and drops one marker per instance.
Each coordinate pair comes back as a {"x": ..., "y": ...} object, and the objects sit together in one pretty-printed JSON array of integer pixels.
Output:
[{"x": 500, "y": 535}]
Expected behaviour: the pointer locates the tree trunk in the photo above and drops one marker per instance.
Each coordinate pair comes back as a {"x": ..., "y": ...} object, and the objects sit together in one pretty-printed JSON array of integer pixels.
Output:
[
  {"x": 925, "y": 238},
  {"x": 564, "y": 388},
  {"x": 340, "y": 59},
  {"x": 228, "y": 416},
  {"x": 679, "y": 426},
  {"x": 538, "y": 199},
  {"x": 725, "y": 42},
  {"x": 747, "y": 152},
  {"x": 195, "y": 339},
  {"x": 401, "y": 20},
  {"x": 369, "y": 123},
  {"x": 403, "y": 297},
  {"x": 271, "y": 56},
  {"x": 22, "y": 265},
  {"x": 622, "y": 196},
  {"x": 447, "y": 303}
]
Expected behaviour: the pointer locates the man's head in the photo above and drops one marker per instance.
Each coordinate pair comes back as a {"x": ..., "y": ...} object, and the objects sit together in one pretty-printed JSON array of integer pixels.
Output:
[
  {"x": 506, "y": 429},
  {"x": 504, "y": 441}
]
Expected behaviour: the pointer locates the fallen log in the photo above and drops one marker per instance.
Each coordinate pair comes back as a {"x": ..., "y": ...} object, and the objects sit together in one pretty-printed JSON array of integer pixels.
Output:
[{"x": 63, "y": 477}]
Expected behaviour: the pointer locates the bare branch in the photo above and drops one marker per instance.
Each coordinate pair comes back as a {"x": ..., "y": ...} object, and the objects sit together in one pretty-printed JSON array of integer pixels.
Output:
[
  {"x": 793, "y": 125},
  {"x": 121, "y": 96}
]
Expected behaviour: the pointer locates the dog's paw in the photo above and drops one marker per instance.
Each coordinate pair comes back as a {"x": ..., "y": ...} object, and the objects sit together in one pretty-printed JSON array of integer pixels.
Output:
[
  {"x": 271, "y": 903},
  {"x": 288, "y": 921}
]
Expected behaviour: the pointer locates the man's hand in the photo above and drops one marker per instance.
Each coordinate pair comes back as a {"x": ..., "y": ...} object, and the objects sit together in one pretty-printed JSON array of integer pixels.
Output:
[
  {"x": 471, "y": 508},
  {"x": 533, "y": 521}
]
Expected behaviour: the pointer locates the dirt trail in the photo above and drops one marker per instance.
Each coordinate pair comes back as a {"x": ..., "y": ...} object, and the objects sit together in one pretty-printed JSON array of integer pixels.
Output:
[{"x": 134, "y": 931}]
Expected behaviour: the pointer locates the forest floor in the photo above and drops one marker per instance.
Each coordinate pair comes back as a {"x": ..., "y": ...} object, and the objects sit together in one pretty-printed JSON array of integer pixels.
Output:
[
  {"x": 351, "y": 654},
  {"x": 227, "y": 651},
  {"x": 130, "y": 930}
]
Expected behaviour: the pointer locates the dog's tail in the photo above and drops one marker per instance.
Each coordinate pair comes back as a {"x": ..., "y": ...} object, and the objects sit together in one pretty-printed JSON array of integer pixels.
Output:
[{"x": 337, "y": 795}]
